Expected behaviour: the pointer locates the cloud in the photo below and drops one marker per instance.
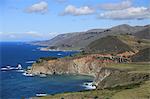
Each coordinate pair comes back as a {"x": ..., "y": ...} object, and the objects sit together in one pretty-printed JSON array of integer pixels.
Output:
[
  {"x": 41, "y": 7},
  {"x": 61, "y": 1},
  {"x": 26, "y": 36},
  {"x": 129, "y": 13},
  {"x": 8, "y": 36},
  {"x": 38, "y": 35},
  {"x": 12, "y": 36},
  {"x": 116, "y": 6},
  {"x": 72, "y": 10},
  {"x": 34, "y": 34}
]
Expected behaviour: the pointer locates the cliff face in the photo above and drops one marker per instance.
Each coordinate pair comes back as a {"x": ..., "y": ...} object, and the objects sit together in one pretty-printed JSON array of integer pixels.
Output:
[
  {"x": 84, "y": 65},
  {"x": 89, "y": 65}
]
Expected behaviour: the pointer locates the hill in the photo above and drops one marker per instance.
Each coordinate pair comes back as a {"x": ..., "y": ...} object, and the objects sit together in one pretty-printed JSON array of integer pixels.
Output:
[
  {"x": 78, "y": 40},
  {"x": 144, "y": 34},
  {"x": 142, "y": 56},
  {"x": 135, "y": 43},
  {"x": 117, "y": 44},
  {"x": 109, "y": 44}
]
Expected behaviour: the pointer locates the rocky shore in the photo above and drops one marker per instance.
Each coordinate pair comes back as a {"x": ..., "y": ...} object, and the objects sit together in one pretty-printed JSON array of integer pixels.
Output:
[{"x": 93, "y": 65}]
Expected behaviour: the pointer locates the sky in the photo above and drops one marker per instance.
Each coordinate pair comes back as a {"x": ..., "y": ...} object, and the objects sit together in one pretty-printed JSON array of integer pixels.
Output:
[{"x": 30, "y": 20}]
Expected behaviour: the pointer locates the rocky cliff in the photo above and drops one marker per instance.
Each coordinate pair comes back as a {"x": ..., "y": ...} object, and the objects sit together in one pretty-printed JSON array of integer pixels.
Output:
[
  {"x": 105, "y": 77},
  {"x": 83, "y": 65}
]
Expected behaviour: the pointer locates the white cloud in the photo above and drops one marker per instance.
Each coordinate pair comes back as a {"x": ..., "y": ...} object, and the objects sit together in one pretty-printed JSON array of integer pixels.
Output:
[
  {"x": 61, "y": 1},
  {"x": 7, "y": 36},
  {"x": 72, "y": 10},
  {"x": 26, "y": 36},
  {"x": 116, "y": 6},
  {"x": 40, "y": 7},
  {"x": 38, "y": 35},
  {"x": 129, "y": 13},
  {"x": 12, "y": 36},
  {"x": 34, "y": 34}
]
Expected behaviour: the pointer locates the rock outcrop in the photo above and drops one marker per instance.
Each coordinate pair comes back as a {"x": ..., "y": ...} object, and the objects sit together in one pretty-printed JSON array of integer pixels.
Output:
[
  {"x": 88, "y": 65},
  {"x": 84, "y": 65}
]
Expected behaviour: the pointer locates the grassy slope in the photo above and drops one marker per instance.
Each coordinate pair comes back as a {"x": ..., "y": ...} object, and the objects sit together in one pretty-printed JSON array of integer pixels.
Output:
[
  {"x": 118, "y": 43},
  {"x": 142, "y": 56},
  {"x": 105, "y": 94},
  {"x": 145, "y": 33},
  {"x": 128, "y": 92},
  {"x": 137, "y": 92},
  {"x": 143, "y": 67},
  {"x": 142, "y": 92},
  {"x": 109, "y": 44},
  {"x": 133, "y": 42}
]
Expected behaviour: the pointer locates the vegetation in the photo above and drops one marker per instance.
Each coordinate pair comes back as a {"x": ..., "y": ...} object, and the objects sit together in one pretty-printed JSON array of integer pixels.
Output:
[
  {"x": 141, "y": 92},
  {"x": 46, "y": 59},
  {"x": 127, "y": 92},
  {"x": 142, "y": 56},
  {"x": 143, "y": 67},
  {"x": 79, "y": 40},
  {"x": 104, "y": 45},
  {"x": 130, "y": 81},
  {"x": 133, "y": 42},
  {"x": 121, "y": 43},
  {"x": 144, "y": 34},
  {"x": 132, "y": 91}
]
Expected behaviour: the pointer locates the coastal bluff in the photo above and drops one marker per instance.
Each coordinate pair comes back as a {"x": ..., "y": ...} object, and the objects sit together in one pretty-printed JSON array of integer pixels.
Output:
[{"x": 93, "y": 65}]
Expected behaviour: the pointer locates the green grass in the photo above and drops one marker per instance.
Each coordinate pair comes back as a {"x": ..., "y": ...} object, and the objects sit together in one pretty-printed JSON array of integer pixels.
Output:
[
  {"x": 96, "y": 94},
  {"x": 142, "y": 92},
  {"x": 134, "y": 42},
  {"x": 132, "y": 67},
  {"x": 133, "y": 91},
  {"x": 127, "y": 92}
]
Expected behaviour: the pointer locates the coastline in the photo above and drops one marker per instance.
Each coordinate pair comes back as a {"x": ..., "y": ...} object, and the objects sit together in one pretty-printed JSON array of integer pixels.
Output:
[
  {"x": 126, "y": 92},
  {"x": 48, "y": 49},
  {"x": 112, "y": 92},
  {"x": 121, "y": 74},
  {"x": 30, "y": 85}
]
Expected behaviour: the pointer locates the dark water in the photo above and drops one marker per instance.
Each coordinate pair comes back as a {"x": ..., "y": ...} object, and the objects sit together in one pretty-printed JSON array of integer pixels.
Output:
[{"x": 14, "y": 85}]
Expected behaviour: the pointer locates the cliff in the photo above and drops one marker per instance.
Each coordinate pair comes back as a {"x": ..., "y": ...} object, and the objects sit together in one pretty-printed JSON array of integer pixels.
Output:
[
  {"x": 83, "y": 65},
  {"x": 105, "y": 77}
]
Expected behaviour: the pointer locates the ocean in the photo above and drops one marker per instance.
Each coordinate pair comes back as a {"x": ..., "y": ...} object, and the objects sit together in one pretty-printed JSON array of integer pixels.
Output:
[{"x": 14, "y": 85}]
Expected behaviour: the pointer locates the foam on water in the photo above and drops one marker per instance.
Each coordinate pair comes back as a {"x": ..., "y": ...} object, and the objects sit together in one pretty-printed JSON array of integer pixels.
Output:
[
  {"x": 30, "y": 62},
  {"x": 14, "y": 85}
]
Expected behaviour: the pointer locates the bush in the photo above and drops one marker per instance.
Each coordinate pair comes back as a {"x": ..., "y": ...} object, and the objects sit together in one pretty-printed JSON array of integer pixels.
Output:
[
  {"x": 46, "y": 59},
  {"x": 96, "y": 97}
]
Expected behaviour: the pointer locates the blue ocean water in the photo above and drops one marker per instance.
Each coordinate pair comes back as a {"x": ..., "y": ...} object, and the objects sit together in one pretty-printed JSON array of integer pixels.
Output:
[{"x": 14, "y": 85}]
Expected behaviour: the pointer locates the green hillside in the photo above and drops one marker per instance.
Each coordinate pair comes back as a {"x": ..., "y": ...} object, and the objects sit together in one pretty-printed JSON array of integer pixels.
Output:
[
  {"x": 142, "y": 56},
  {"x": 117, "y": 44},
  {"x": 109, "y": 44}
]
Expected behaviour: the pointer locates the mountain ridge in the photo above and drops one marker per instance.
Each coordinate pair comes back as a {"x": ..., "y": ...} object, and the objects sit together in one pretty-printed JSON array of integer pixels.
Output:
[{"x": 78, "y": 40}]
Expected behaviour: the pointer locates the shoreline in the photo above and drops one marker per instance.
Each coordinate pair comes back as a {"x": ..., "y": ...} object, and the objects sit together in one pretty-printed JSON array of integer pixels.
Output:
[
  {"x": 125, "y": 92},
  {"x": 47, "y": 49},
  {"x": 122, "y": 76}
]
